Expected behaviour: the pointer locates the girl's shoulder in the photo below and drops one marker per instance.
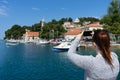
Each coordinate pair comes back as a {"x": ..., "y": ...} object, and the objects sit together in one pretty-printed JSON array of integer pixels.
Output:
[{"x": 114, "y": 54}]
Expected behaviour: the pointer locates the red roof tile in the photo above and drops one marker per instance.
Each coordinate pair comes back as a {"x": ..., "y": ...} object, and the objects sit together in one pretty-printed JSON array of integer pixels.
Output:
[
  {"x": 35, "y": 34},
  {"x": 96, "y": 24},
  {"x": 74, "y": 31}
]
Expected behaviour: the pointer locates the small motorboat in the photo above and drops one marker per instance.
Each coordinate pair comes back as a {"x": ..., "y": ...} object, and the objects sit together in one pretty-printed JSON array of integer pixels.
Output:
[
  {"x": 11, "y": 43},
  {"x": 42, "y": 42},
  {"x": 64, "y": 46}
]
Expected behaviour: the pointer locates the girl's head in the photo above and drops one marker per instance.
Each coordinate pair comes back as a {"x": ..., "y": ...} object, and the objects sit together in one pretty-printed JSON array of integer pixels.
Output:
[{"x": 102, "y": 40}]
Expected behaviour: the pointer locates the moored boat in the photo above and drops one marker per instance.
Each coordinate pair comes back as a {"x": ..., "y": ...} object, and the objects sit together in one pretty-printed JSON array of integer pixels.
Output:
[
  {"x": 64, "y": 46},
  {"x": 11, "y": 43},
  {"x": 42, "y": 42}
]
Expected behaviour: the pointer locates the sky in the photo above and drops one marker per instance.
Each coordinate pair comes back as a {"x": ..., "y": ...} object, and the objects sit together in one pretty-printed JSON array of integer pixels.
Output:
[{"x": 29, "y": 12}]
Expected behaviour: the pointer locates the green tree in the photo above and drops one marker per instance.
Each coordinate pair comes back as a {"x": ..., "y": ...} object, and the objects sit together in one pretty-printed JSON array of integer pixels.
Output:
[
  {"x": 61, "y": 21},
  {"x": 36, "y": 27},
  {"x": 14, "y": 32},
  {"x": 52, "y": 29},
  {"x": 112, "y": 19},
  {"x": 70, "y": 19},
  {"x": 88, "y": 19},
  {"x": 8, "y": 34}
]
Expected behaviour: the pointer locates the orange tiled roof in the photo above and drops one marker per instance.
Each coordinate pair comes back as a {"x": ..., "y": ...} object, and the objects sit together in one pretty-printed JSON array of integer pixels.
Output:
[
  {"x": 96, "y": 24},
  {"x": 74, "y": 31},
  {"x": 35, "y": 34}
]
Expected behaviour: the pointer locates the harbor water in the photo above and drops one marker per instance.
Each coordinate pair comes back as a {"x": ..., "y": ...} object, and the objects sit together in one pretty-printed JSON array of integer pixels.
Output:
[{"x": 40, "y": 62}]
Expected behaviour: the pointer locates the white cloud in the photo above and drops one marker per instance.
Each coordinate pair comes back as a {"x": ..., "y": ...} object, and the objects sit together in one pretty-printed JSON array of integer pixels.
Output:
[
  {"x": 36, "y": 9},
  {"x": 63, "y": 8},
  {"x": 3, "y": 11},
  {"x": 3, "y": 7},
  {"x": 5, "y": 1},
  {"x": 96, "y": 17}
]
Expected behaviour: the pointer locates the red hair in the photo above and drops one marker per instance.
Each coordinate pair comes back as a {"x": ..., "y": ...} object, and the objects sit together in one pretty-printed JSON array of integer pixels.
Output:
[{"x": 102, "y": 40}]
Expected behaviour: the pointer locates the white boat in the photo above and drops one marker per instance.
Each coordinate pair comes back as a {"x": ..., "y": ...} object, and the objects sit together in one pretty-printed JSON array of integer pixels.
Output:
[
  {"x": 12, "y": 42},
  {"x": 64, "y": 46},
  {"x": 56, "y": 41},
  {"x": 42, "y": 42}
]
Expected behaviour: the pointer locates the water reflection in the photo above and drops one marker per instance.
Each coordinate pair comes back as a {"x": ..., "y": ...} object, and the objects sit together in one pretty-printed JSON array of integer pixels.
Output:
[{"x": 39, "y": 62}]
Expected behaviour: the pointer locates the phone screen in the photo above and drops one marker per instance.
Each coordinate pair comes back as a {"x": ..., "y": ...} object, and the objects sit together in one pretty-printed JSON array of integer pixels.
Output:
[{"x": 87, "y": 33}]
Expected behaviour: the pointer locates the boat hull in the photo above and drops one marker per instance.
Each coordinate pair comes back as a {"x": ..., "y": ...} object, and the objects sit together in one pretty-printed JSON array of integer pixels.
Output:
[
  {"x": 63, "y": 46},
  {"x": 60, "y": 49}
]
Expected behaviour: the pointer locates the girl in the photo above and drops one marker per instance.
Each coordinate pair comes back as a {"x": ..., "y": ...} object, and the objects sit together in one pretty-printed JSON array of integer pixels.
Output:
[{"x": 105, "y": 66}]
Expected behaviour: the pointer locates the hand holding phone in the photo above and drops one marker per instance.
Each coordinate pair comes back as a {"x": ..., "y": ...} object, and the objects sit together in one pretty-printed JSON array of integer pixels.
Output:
[
  {"x": 79, "y": 36},
  {"x": 87, "y": 33}
]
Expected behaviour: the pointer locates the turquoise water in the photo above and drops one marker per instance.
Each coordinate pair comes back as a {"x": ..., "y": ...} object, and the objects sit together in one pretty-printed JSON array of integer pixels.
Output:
[{"x": 39, "y": 62}]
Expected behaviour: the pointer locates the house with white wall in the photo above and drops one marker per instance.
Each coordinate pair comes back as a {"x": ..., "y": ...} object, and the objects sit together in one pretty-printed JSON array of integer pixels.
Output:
[
  {"x": 94, "y": 26},
  {"x": 76, "y": 20},
  {"x": 72, "y": 33},
  {"x": 69, "y": 25},
  {"x": 30, "y": 36}
]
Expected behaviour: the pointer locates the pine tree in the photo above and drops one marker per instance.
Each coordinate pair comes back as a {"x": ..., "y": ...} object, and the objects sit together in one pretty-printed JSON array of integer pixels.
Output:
[{"x": 112, "y": 19}]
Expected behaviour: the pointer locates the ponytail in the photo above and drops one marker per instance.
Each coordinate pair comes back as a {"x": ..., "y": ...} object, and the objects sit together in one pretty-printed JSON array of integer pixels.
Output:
[
  {"x": 107, "y": 56},
  {"x": 101, "y": 38}
]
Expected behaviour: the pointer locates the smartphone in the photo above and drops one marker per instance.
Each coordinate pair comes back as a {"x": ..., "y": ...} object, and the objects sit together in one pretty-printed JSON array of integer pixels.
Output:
[{"x": 87, "y": 33}]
